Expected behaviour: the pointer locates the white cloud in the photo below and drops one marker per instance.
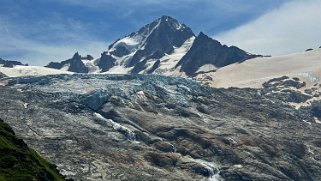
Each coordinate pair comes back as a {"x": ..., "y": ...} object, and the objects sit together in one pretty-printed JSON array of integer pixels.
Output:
[{"x": 293, "y": 27}]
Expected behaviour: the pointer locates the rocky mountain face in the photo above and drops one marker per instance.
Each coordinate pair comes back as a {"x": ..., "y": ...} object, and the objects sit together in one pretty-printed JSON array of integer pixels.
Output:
[
  {"x": 19, "y": 162},
  {"x": 149, "y": 127},
  {"x": 75, "y": 64},
  {"x": 10, "y": 63},
  {"x": 206, "y": 52},
  {"x": 165, "y": 47}
]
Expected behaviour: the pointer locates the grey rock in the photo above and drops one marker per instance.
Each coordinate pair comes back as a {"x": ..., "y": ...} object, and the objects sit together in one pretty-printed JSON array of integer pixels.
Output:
[{"x": 138, "y": 127}]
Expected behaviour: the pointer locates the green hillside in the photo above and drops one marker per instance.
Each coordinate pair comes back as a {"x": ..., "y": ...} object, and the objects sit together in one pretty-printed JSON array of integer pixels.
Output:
[{"x": 18, "y": 162}]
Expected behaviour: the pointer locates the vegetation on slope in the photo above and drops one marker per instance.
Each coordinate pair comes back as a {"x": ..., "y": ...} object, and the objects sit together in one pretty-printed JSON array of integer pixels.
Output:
[{"x": 18, "y": 162}]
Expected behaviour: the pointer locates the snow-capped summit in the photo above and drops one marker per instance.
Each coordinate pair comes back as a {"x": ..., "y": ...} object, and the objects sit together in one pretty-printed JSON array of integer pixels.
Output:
[
  {"x": 164, "y": 46},
  {"x": 141, "y": 50},
  {"x": 163, "y": 34}
]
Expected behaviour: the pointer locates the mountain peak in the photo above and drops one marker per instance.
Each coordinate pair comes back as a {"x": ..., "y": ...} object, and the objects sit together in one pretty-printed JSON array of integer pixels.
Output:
[
  {"x": 170, "y": 22},
  {"x": 153, "y": 41},
  {"x": 76, "y": 56},
  {"x": 201, "y": 34},
  {"x": 166, "y": 18}
]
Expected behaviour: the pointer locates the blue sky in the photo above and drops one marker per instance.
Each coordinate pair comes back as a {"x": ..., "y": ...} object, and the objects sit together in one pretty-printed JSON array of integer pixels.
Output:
[{"x": 39, "y": 31}]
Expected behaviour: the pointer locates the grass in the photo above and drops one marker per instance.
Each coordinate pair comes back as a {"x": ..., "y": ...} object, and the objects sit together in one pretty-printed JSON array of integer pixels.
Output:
[{"x": 18, "y": 162}]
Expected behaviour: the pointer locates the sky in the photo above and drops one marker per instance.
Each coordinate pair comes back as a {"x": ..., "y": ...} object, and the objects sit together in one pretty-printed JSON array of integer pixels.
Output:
[{"x": 40, "y": 31}]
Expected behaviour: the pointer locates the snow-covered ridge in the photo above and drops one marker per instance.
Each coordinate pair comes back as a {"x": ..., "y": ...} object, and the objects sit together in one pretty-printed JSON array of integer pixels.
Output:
[{"x": 133, "y": 42}]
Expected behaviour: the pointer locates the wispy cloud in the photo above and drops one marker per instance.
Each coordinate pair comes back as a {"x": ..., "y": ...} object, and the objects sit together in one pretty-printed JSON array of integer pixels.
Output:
[{"x": 293, "y": 27}]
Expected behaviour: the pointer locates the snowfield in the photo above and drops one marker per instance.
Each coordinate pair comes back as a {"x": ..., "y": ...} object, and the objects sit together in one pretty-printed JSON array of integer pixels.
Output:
[
  {"x": 252, "y": 73},
  {"x": 18, "y": 71}
]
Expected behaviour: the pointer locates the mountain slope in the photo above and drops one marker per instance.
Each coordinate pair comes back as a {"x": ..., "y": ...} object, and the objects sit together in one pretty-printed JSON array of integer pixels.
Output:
[
  {"x": 206, "y": 51},
  {"x": 18, "y": 162},
  {"x": 254, "y": 72}
]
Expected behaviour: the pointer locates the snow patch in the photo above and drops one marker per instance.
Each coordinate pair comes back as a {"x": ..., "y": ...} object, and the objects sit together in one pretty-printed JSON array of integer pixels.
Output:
[
  {"x": 306, "y": 122},
  {"x": 118, "y": 69},
  {"x": 169, "y": 61},
  {"x": 20, "y": 70},
  {"x": 211, "y": 167},
  {"x": 238, "y": 166},
  {"x": 206, "y": 68},
  {"x": 67, "y": 172},
  {"x": 317, "y": 120},
  {"x": 130, "y": 43},
  {"x": 116, "y": 126},
  {"x": 90, "y": 64},
  {"x": 141, "y": 95},
  {"x": 65, "y": 67}
]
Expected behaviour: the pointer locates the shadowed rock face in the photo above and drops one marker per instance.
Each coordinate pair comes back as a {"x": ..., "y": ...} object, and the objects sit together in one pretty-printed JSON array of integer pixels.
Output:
[
  {"x": 74, "y": 64},
  {"x": 105, "y": 62},
  {"x": 135, "y": 127},
  {"x": 206, "y": 50}
]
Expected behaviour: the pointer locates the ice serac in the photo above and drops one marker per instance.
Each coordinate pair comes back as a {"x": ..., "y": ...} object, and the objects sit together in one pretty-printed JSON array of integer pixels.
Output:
[
  {"x": 142, "y": 50},
  {"x": 207, "y": 51},
  {"x": 74, "y": 64}
]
